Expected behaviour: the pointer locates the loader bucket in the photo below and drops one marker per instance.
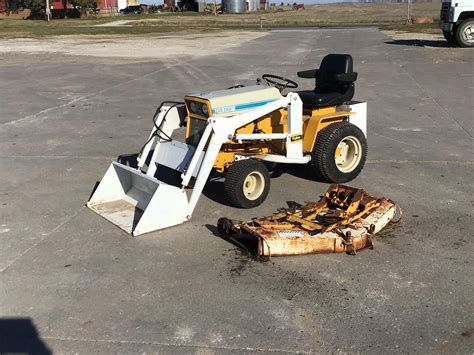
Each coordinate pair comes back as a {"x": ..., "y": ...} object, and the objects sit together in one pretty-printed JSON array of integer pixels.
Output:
[{"x": 138, "y": 203}]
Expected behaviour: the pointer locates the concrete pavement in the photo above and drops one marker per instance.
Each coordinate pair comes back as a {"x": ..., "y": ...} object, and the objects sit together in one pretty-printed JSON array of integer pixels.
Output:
[{"x": 87, "y": 287}]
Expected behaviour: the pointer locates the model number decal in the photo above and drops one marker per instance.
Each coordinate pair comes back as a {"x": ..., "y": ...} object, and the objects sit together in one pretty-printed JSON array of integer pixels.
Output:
[
  {"x": 295, "y": 138},
  {"x": 223, "y": 109}
]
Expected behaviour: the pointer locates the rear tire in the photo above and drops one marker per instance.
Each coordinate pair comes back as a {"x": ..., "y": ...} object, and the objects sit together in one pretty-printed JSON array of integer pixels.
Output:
[
  {"x": 339, "y": 153},
  {"x": 247, "y": 183},
  {"x": 450, "y": 37},
  {"x": 465, "y": 33}
]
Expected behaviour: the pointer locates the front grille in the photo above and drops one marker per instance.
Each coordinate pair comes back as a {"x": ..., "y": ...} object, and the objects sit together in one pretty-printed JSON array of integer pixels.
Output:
[
  {"x": 196, "y": 129},
  {"x": 444, "y": 14}
]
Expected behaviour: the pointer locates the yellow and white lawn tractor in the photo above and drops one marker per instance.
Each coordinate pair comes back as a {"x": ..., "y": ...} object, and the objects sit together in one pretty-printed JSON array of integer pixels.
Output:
[{"x": 238, "y": 132}]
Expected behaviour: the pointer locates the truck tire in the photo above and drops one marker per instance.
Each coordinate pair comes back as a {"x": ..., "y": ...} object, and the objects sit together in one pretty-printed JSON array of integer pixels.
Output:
[
  {"x": 247, "y": 183},
  {"x": 465, "y": 33},
  {"x": 339, "y": 153},
  {"x": 450, "y": 37}
]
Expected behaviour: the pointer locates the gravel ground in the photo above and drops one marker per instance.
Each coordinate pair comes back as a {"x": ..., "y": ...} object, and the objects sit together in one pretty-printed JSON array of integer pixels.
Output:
[{"x": 136, "y": 49}]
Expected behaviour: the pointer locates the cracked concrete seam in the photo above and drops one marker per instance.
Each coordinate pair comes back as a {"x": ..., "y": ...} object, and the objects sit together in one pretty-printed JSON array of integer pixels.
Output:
[
  {"x": 55, "y": 229},
  {"x": 428, "y": 94},
  {"x": 134, "y": 342},
  {"x": 31, "y": 118}
]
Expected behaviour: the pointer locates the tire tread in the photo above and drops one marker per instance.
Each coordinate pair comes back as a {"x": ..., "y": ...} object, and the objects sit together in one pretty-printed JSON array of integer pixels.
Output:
[
  {"x": 234, "y": 179},
  {"x": 459, "y": 31},
  {"x": 323, "y": 156}
]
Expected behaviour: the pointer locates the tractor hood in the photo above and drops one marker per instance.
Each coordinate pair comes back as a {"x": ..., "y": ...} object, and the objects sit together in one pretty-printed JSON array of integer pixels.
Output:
[{"x": 230, "y": 102}]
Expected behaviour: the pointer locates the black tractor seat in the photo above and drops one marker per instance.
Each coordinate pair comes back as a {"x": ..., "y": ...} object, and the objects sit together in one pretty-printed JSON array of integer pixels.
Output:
[{"x": 334, "y": 82}]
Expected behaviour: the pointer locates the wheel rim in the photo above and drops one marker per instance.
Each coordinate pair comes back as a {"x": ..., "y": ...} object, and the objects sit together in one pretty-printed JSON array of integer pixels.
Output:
[
  {"x": 348, "y": 154},
  {"x": 468, "y": 33},
  {"x": 254, "y": 185}
]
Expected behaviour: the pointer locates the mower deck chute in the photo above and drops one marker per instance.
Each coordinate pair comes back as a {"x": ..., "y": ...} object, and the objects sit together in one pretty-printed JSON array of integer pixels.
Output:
[{"x": 344, "y": 220}]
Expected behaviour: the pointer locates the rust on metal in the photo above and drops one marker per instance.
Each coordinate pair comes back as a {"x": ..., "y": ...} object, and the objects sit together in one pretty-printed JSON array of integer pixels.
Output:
[
  {"x": 122, "y": 213},
  {"x": 345, "y": 219}
]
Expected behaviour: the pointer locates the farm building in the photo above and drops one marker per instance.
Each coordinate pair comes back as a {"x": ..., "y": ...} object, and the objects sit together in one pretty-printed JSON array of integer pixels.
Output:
[{"x": 111, "y": 5}]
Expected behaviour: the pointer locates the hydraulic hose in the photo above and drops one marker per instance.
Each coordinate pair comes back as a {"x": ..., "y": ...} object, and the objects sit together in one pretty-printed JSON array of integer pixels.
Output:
[{"x": 158, "y": 129}]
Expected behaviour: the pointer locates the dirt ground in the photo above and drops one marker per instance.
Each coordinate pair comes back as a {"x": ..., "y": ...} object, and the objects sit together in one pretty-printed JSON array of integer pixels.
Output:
[
  {"x": 137, "y": 49},
  {"x": 173, "y": 47},
  {"x": 401, "y": 35},
  {"x": 432, "y": 45}
]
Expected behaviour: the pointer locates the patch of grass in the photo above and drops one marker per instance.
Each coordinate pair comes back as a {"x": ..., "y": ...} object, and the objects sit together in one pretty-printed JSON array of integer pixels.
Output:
[{"x": 34, "y": 28}]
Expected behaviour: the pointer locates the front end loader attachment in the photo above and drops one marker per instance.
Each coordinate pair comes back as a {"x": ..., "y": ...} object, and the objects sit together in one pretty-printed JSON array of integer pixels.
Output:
[
  {"x": 138, "y": 203},
  {"x": 138, "y": 200}
]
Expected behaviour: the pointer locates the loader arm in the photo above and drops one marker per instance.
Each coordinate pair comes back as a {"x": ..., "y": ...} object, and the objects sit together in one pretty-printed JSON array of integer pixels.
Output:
[{"x": 218, "y": 131}]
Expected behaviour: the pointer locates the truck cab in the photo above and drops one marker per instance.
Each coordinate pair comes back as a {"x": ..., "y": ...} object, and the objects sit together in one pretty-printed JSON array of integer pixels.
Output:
[{"x": 457, "y": 22}]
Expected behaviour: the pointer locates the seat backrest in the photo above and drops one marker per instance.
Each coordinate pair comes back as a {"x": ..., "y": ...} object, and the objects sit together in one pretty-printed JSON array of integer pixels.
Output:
[{"x": 331, "y": 65}]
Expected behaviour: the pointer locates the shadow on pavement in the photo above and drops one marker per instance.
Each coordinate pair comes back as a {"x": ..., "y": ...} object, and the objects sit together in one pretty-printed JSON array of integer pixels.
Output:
[
  {"x": 245, "y": 242},
  {"x": 19, "y": 335},
  {"x": 214, "y": 188},
  {"x": 420, "y": 43}
]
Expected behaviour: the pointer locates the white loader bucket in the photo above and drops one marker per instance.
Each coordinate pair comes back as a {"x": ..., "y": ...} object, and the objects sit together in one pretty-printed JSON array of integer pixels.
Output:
[{"x": 138, "y": 203}]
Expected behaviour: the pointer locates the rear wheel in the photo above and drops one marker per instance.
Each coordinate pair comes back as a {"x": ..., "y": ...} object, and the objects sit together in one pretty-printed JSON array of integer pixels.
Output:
[
  {"x": 450, "y": 37},
  {"x": 465, "y": 33},
  {"x": 339, "y": 153},
  {"x": 247, "y": 183}
]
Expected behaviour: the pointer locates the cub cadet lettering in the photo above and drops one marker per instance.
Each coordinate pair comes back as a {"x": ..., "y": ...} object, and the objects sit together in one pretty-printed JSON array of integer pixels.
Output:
[{"x": 233, "y": 108}]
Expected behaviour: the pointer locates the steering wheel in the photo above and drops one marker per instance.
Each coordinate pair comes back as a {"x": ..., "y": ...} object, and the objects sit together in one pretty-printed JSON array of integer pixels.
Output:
[{"x": 280, "y": 82}]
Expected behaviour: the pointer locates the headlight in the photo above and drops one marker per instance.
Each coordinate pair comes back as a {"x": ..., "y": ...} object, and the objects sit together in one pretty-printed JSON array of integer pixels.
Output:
[
  {"x": 451, "y": 13},
  {"x": 205, "y": 110},
  {"x": 193, "y": 106}
]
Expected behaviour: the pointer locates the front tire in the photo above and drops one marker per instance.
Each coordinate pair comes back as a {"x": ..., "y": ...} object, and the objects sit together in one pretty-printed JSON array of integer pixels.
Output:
[
  {"x": 339, "y": 153},
  {"x": 450, "y": 37},
  {"x": 465, "y": 33},
  {"x": 247, "y": 183}
]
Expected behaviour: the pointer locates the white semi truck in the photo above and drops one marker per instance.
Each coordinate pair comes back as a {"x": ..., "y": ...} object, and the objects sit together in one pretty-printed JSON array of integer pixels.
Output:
[{"x": 457, "y": 22}]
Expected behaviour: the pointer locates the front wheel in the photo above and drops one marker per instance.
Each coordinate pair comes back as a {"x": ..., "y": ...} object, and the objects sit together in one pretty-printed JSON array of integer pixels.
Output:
[
  {"x": 339, "y": 153},
  {"x": 465, "y": 33},
  {"x": 450, "y": 37},
  {"x": 247, "y": 183}
]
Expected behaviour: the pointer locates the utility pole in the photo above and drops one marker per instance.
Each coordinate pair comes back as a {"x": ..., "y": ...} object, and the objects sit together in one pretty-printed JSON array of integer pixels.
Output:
[
  {"x": 48, "y": 11},
  {"x": 409, "y": 11}
]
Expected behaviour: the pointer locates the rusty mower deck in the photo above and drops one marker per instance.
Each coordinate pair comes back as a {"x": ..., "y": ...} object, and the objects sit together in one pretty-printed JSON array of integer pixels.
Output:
[{"x": 344, "y": 220}]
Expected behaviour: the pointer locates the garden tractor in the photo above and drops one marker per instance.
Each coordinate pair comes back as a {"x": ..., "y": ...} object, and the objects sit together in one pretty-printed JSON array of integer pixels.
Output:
[{"x": 238, "y": 132}]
